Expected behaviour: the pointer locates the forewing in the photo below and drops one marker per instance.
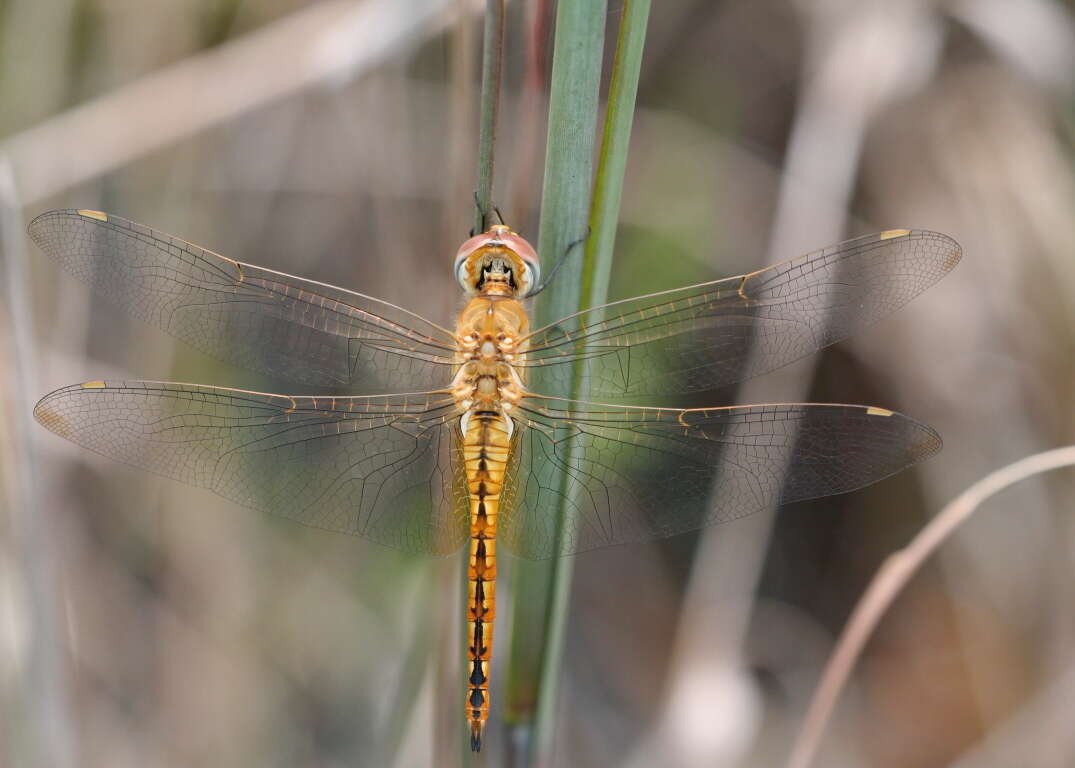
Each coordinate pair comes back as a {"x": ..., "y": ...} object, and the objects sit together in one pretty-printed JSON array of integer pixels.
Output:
[
  {"x": 627, "y": 474},
  {"x": 388, "y": 468},
  {"x": 266, "y": 321},
  {"x": 713, "y": 334}
]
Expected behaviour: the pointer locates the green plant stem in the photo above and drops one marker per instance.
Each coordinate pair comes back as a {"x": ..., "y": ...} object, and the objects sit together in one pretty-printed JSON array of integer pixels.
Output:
[
  {"x": 542, "y": 590},
  {"x": 615, "y": 141},
  {"x": 492, "y": 64}
]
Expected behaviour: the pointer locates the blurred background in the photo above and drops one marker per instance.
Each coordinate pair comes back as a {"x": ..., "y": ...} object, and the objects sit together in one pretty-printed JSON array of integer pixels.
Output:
[{"x": 146, "y": 623}]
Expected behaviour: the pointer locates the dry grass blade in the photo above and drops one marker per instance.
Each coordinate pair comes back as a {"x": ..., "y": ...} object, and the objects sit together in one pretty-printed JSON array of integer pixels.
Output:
[{"x": 892, "y": 577}]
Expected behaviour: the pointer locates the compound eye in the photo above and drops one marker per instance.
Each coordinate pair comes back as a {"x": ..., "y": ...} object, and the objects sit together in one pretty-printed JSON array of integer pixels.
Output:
[
  {"x": 463, "y": 277},
  {"x": 472, "y": 244},
  {"x": 528, "y": 280},
  {"x": 519, "y": 244},
  {"x": 463, "y": 266}
]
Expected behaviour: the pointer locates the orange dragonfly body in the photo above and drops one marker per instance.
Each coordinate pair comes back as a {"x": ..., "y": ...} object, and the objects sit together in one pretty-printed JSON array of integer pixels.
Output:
[{"x": 471, "y": 453}]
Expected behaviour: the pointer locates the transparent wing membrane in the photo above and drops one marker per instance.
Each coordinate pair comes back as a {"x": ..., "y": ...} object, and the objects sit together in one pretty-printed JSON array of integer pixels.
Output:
[
  {"x": 631, "y": 474},
  {"x": 706, "y": 336},
  {"x": 388, "y": 468},
  {"x": 266, "y": 321}
]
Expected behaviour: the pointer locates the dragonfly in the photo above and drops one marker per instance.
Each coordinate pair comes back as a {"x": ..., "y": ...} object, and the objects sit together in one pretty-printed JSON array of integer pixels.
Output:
[{"x": 442, "y": 442}]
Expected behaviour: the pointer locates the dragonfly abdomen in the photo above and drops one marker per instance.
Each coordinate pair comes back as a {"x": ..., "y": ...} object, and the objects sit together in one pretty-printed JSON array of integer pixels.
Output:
[{"x": 485, "y": 451}]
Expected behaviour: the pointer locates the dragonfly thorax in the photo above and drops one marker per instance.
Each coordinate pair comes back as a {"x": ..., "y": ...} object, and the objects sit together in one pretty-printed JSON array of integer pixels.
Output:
[
  {"x": 487, "y": 386},
  {"x": 489, "y": 336}
]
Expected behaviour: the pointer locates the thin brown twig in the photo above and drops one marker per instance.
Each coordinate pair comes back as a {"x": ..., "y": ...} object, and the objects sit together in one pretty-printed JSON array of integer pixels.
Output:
[{"x": 892, "y": 577}]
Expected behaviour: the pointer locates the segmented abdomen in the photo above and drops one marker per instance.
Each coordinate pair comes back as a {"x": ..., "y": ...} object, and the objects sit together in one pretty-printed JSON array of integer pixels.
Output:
[{"x": 485, "y": 451}]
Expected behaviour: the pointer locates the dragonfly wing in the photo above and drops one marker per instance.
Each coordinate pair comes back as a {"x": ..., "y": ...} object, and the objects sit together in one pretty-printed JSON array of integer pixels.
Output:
[
  {"x": 266, "y": 321},
  {"x": 706, "y": 336},
  {"x": 628, "y": 474},
  {"x": 388, "y": 468}
]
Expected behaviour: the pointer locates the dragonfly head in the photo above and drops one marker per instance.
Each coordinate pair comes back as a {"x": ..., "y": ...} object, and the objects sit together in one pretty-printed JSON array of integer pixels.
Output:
[{"x": 497, "y": 261}]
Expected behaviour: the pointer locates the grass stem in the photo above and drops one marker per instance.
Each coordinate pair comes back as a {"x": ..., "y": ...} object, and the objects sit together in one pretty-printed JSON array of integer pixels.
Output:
[
  {"x": 542, "y": 590},
  {"x": 615, "y": 141},
  {"x": 492, "y": 65},
  {"x": 895, "y": 573}
]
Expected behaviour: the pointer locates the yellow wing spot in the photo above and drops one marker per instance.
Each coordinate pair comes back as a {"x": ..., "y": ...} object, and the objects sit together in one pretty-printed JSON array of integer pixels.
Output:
[
  {"x": 878, "y": 412},
  {"x": 92, "y": 214},
  {"x": 93, "y": 385},
  {"x": 889, "y": 234}
]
